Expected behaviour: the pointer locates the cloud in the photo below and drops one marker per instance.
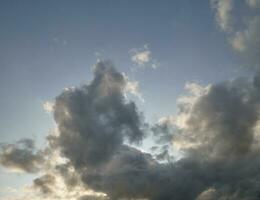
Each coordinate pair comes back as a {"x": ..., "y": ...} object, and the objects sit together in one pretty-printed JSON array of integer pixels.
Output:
[
  {"x": 217, "y": 127},
  {"x": 21, "y": 156},
  {"x": 91, "y": 155},
  {"x": 96, "y": 118},
  {"x": 48, "y": 106},
  {"x": 91, "y": 197},
  {"x": 245, "y": 41},
  {"x": 221, "y": 121},
  {"x": 209, "y": 194},
  {"x": 45, "y": 183},
  {"x": 132, "y": 87},
  {"x": 223, "y": 13},
  {"x": 143, "y": 57}
]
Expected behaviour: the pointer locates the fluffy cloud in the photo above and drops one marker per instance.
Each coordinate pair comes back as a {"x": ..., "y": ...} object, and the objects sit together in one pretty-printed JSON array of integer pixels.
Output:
[
  {"x": 143, "y": 57},
  {"x": 216, "y": 131},
  {"x": 96, "y": 118},
  {"x": 21, "y": 156},
  {"x": 48, "y": 106}
]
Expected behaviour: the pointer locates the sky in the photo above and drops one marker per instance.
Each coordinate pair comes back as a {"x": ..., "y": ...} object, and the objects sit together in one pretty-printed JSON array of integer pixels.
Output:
[{"x": 90, "y": 87}]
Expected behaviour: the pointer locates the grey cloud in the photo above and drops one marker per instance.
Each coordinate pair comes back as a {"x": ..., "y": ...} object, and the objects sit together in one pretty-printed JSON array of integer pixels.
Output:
[
  {"x": 70, "y": 177},
  {"x": 96, "y": 124},
  {"x": 245, "y": 41},
  {"x": 44, "y": 184},
  {"x": 21, "y": 156},
  {"x": 94, "y": 120},
  {"x": 224, "y": 118},
  {"x": 162, "y": 133},
  {"x": 222, "y": 122},
  {"x": 91, "y": 197}
]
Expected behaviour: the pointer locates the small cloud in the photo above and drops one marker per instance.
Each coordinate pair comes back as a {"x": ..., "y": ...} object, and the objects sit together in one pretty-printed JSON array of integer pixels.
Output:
[
  {"x": 223, "y": 13},
  {"x": 60, "y": 41},
  {"x": 142, "y": 57},
  {"x": 132, "y": 87},
  {"x": 48, "y": 106},
  {"x": 21, "y": 156}
]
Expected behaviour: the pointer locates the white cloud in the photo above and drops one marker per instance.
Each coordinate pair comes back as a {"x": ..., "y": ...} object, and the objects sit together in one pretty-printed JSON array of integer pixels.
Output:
[
  {"x": 132, "y": 87},
  {"x": 142, "y": 57},
  {"x": 223, "y": 13},
  {"x": 48, "y": 106}
]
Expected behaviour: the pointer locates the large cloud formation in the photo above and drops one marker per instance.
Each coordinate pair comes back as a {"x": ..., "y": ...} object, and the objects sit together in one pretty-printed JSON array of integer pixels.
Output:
[
  {"x": 216, "y": 132},
  {"x": 215, "y": 135}
]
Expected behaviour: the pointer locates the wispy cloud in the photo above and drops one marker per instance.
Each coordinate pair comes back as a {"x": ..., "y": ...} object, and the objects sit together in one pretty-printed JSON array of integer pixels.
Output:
[
  {"x": 245, "y": 41},
  {"x": 223, "y": 13}
]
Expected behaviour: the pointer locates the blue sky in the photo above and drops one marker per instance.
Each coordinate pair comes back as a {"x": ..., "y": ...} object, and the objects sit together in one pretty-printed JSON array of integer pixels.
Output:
[
  {"x": 46, "y": 46},
  {"x": 49, "y": 45}
]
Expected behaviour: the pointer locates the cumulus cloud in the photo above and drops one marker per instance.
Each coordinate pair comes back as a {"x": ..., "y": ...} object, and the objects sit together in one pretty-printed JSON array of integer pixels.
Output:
[
  {"x": 96, "y": 118},
  {"x": 217, "y": 112},
  {"x": 21, "y": 156},
  {"x": 142, "y": 57},
  {"x": 216, "y": 131},
  {"x": 215, "y": 134}
]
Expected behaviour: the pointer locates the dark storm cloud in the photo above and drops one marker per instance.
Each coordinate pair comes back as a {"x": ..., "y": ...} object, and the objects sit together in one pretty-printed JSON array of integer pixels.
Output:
[{"x": 21, "y": 156}]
